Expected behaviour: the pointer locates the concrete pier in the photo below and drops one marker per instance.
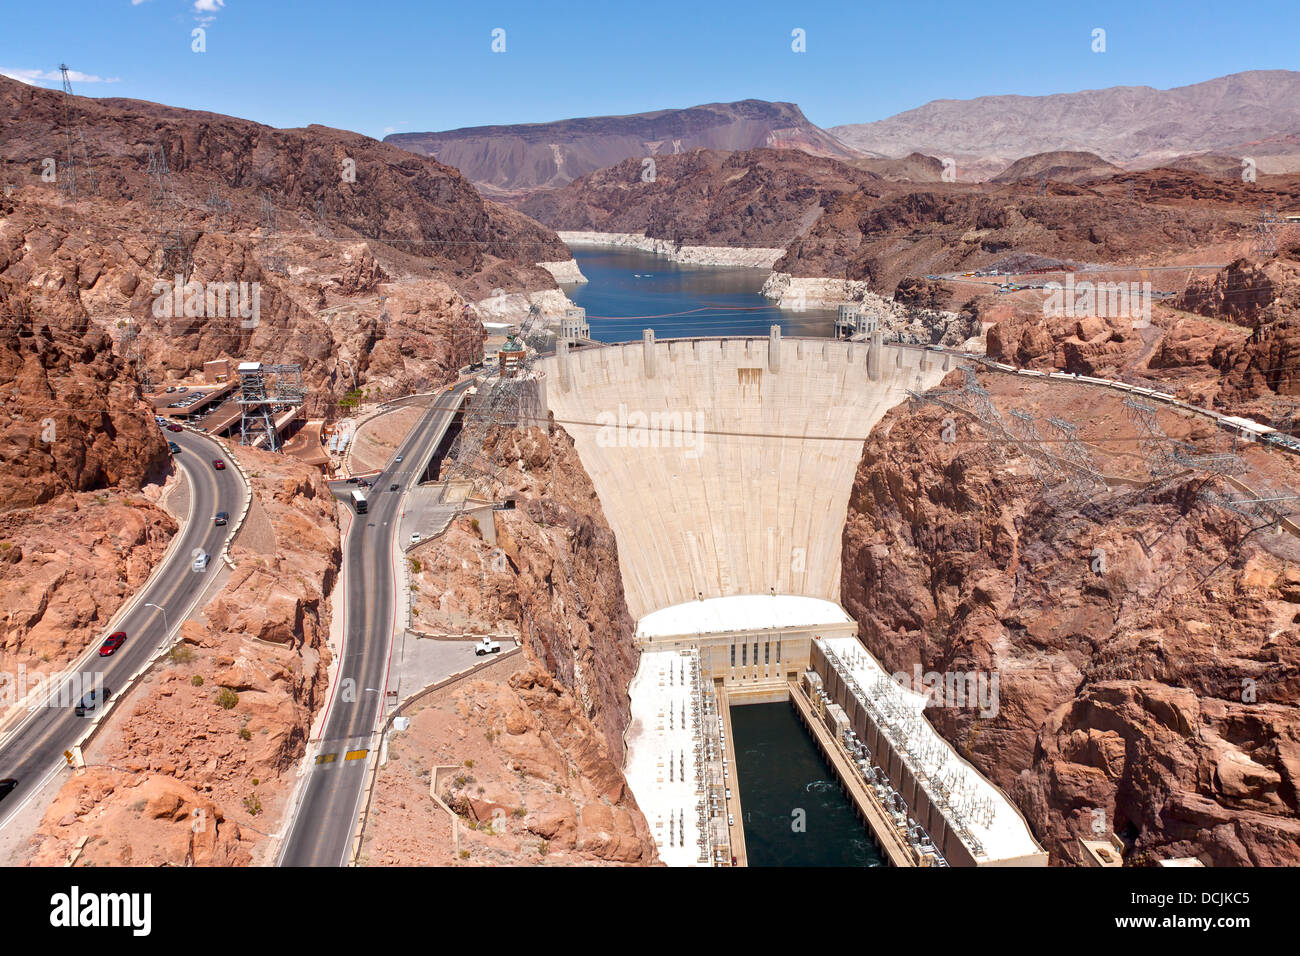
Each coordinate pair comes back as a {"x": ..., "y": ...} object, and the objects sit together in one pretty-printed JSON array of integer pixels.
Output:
[{"x": 735, "y": 812}]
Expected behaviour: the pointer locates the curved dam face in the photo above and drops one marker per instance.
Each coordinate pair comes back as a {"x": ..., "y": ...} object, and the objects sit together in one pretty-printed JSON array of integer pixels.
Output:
[{"x": 724, "y": 466}]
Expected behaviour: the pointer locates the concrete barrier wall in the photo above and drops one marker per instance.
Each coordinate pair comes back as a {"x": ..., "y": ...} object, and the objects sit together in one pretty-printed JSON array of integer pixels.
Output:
[{"x": 758, "y": 441}]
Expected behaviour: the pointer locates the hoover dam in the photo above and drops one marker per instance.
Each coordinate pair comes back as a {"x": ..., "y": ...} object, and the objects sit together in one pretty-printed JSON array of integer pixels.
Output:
[
  {"x": 724, "y": 468},
  {"x": 724, "y": 465}
]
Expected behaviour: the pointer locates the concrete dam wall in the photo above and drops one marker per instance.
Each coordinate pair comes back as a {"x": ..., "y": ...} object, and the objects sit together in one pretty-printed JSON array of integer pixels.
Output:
[{"x": 724, "y": 465}]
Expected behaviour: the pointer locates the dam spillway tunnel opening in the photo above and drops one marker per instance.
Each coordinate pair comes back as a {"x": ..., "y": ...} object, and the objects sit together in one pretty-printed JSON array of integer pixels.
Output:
[{"x": 724, "y": 468}]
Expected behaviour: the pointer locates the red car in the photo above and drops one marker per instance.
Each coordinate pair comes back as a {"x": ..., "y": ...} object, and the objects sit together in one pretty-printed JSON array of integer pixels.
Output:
[
  {"x": 173, "y": 428},
  {"x": 114, "y": 641},
  {"x": 218, "y": 464}
]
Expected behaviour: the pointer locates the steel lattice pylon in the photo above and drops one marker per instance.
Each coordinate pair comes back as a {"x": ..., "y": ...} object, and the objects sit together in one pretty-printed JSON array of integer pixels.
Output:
[
  {"x": 68, "y": 180},
  {"x": 220, "y": 209},
  {"x": 972, "y": 400},
  {"x": 264, "y": 390},
  {"x": 1165, "y": 456},
  {"x": 1151, "y": 438},
  {"x": 174, "y": 256},
  {"x": 1025, "y": 433},
  {"x": 1080, "y": 470},
  {"x": 1266, "y": 504},
  {"x": 1265, "y": 234},
  {"x": 499, "y": 403}
]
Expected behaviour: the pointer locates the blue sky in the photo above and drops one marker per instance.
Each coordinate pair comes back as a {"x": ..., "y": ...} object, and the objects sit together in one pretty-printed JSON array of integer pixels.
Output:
[{"x": 407, "y": 65}]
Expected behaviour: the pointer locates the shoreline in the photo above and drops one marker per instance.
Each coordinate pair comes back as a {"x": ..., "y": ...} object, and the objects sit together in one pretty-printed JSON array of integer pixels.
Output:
[
  {"x": 756, "y": 258},
  {"x": 797, "y": 293}
]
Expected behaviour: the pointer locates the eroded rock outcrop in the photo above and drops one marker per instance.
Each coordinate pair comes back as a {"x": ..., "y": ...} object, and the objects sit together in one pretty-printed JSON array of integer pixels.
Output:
[
  {"x": 554, "y": 578},
  {"x": 529, "y": 777},
  {"x": 1159, "y": 688},
  {"x": 543, "y": 733}
]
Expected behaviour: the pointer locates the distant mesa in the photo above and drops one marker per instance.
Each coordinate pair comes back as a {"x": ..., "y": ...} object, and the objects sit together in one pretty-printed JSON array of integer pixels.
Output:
[
  {"x": 1213, "y": 165},
  {"x": 501, "y": 160}
]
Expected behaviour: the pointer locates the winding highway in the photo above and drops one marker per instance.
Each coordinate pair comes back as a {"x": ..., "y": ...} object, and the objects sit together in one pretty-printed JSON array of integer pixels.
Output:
[
  {"x": 31, "y": 750},
  {"x": 320, "y": 832}
]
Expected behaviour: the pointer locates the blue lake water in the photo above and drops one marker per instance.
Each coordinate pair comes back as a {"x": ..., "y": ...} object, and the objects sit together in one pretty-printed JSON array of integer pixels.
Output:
[
  {"x": 629, "y": 291},
  {"x": 783, "y": 779}
]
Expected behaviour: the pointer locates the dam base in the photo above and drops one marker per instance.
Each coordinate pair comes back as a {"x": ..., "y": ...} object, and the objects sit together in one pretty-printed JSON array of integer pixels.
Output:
[{"x": 922, "y": 803}]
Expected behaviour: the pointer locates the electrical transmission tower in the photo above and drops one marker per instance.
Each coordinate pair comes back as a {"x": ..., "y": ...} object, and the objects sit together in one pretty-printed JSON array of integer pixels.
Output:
[
  {"x": 1152, "y": 440},
  {"x": 322, "y": 218},
  {"x": 174, "y": 255},
  {"x": 270, "y": 216},
  {"x": 1080, "y": 468},
  {"x": 508, "y": 399},
  {"x": 1027, "y": 438},
  {"x": 274, "y": 259},
  {"x": 68, "y": 179},
  {"x": 1266, "y": 504},
  {"x": 1265, "y": 234},
  {"x": 219, "y": 208},
  {"x": 972, "y": 400},
  {"x": 265, "y": 390},
  {"x": 1165, "y": 456}
]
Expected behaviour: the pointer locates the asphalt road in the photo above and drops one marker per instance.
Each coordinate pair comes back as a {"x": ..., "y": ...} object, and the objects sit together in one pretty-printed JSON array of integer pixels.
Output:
[
  {"x": 33, "y": 749},
  {"x": 321, "y": 832}
]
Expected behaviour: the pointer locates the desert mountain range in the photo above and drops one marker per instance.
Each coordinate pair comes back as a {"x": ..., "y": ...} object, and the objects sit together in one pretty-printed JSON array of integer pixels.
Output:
[
  {"x": 506, "y": 158},
  {"x": 1206, "y": 127},
  {"x": 1256, "y": 114}
]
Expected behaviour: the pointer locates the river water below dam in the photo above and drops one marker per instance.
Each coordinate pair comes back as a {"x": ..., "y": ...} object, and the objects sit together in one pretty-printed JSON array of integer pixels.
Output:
[
  {"x": 630, "y": 290},
  {"x": 792, "y": 809}
]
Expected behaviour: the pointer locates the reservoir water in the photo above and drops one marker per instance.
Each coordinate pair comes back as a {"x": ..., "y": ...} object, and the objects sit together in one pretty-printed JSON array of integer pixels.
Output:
[
  {"x": 781, "y": 772},
  {"x": 630, "y": 290}
]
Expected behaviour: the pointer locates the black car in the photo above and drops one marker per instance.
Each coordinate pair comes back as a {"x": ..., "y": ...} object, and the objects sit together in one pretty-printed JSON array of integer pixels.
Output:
[
  {"x": 393, "y": 486},
  {"x": 174, "y": 448},
  {"x": 91, "y": 702},
  {"x": 221, "y": 518},
  {"x": 6, "y": 786}
]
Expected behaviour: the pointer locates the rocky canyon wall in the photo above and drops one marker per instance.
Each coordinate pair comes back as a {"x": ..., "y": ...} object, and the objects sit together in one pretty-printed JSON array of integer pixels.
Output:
[{"x": 1146, "y": 642}]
